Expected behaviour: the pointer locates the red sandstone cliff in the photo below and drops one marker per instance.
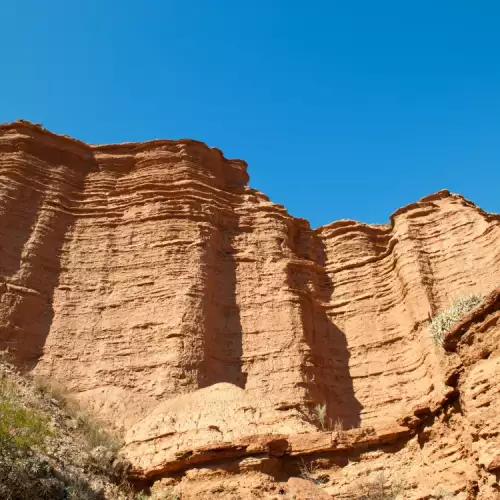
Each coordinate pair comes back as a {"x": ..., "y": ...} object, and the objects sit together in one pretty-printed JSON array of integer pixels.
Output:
[{"x": 206, "y": 323}]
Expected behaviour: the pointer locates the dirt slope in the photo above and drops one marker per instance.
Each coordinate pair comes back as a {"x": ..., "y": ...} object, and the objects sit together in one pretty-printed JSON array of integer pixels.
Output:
[{"x": 191, "y": 313}]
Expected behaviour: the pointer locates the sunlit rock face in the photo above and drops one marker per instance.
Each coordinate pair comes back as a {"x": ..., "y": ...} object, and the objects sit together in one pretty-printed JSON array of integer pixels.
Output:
[{"x": 187, "y": 310}]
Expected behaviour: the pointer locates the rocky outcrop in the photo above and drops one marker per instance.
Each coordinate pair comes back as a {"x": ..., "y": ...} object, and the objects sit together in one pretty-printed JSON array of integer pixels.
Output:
[{"x": 206, "y": 323}]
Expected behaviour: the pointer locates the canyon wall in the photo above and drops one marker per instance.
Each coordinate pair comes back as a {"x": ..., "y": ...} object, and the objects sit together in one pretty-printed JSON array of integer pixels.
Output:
[{"x": 186, "y": 309}]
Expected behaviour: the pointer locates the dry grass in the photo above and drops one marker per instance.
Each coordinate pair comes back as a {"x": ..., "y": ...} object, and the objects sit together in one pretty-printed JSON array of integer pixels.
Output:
[
  {"x": 310, "y": 473},
  {"x": 338, "y": 426},
  {"x": 320, "y": 415},
  {"x": 444, "y": 321},
  {"x": 379, "y": 488},
  {"x": 306, "y": 471},
  {"x": 90, "y": 427}
]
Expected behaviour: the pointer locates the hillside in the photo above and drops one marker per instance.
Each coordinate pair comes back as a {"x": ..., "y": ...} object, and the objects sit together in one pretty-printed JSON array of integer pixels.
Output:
[{"x": 234, "y": 348}]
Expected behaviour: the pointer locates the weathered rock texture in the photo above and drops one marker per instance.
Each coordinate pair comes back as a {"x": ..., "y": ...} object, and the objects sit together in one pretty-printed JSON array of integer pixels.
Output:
[{"x": 205, "y": 322}]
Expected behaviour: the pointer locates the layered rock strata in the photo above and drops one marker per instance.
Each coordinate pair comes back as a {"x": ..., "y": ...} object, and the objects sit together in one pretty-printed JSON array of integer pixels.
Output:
[{"x": 188, "y": 311}]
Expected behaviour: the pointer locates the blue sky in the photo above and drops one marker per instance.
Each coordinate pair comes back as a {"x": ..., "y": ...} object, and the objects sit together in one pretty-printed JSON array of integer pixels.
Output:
[{"x": 343, "y": 109}]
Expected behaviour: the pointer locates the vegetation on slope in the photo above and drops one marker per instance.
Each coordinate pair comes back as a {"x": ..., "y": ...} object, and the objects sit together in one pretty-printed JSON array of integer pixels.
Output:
[
  {"x": 444, "y": 321},
  {"x": 50, "y": 449}
]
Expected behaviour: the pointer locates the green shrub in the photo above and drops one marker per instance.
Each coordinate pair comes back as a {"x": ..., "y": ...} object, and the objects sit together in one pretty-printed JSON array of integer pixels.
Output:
[
  {"x": 21, "y": 427},
  {"x": 444, "y": 321}
]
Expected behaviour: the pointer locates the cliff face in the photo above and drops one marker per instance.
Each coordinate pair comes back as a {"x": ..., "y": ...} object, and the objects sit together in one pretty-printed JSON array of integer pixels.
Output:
[{"x": 187, "y": 310}]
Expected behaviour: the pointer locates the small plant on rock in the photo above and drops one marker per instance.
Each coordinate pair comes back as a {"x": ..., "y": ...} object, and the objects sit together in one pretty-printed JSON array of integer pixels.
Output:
[
  {"x": 320, "y": 415},
  {"x": 338, "y": 427},
  {"x": 444, "y": 321},
  {"x": 309, "y": 472},
  {"x": 379, "y": 488}
]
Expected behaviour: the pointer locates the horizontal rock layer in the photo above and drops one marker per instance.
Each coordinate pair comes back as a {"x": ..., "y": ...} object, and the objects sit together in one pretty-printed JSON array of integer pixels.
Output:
[{"x": 149, "y": 278}]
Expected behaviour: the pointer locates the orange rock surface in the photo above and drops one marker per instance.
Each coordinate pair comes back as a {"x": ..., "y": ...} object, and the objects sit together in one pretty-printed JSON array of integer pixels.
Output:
[{"x": 208, "y": 325}]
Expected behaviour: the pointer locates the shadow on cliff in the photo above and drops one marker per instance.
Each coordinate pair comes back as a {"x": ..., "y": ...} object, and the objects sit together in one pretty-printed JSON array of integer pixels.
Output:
[
  {"x": 17, "y": 219},
  {"x": 326, "y": 368},
  {"x": 223, "y": 333},
  {"x": 34, "y": 231}
]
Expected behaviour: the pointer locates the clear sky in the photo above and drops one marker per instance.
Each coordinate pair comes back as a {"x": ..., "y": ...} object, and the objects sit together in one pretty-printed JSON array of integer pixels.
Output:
[{"x": 343, "y": 109}]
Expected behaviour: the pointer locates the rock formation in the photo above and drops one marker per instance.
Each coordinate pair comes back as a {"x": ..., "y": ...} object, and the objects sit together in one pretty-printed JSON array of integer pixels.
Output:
[{"x": 208, "y": 325}]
